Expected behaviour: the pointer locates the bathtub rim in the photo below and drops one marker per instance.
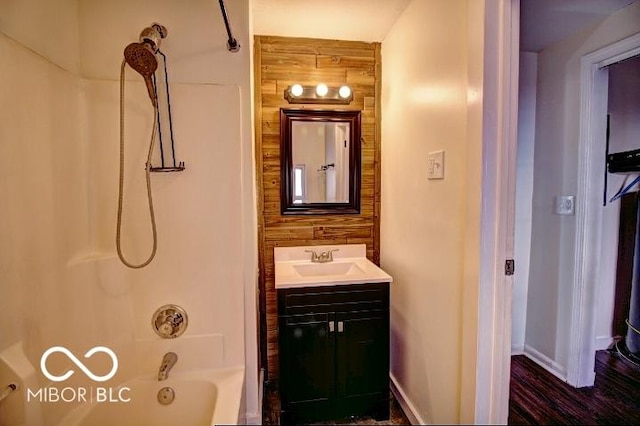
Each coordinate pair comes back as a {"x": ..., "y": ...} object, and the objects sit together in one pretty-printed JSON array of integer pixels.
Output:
[{"x": 229, "y": 382}]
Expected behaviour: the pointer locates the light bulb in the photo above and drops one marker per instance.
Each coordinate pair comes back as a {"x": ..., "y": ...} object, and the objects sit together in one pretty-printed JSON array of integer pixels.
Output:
[
  {"x": 322, "y": 89},
  {"x": 296, "y": 90},
  {"x": 344, "y": 92}
]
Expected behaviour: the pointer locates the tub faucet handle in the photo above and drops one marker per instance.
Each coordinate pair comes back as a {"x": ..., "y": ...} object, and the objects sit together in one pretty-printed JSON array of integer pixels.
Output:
[
  {"x": 171, "y": 324},
  {"x": 169, "y": 321},
  {"x": 166, "y": 329}
]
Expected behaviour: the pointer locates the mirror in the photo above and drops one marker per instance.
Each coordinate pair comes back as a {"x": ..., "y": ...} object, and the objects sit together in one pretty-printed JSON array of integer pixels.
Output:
[{"x": 319, "y": 161}]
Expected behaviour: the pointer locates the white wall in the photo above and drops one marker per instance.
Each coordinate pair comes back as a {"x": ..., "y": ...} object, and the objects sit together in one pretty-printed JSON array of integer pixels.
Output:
[
  {"x": 475, "y": 146},
  {"x": 61, "y": 282},
  {"x": 430, "y": 228},
  {"x": 44, "y": 187},
  {"x": 524, "y": 190},
  {"x": 555, "y": 163},
  {"x": 49, "y": 28}
]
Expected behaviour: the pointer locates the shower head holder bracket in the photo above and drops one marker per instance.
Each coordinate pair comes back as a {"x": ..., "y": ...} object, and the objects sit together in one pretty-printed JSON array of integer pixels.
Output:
[{"x": 153, "y": 35}]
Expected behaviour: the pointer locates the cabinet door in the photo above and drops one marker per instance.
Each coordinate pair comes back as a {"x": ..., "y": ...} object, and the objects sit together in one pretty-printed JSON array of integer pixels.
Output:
[
  {"x": 307, "y": 360},
  {"x": 362, "y": 360}
]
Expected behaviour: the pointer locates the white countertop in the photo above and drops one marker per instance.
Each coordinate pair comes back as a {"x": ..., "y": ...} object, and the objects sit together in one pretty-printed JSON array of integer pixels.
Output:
[{"x": 349, "y": 262}]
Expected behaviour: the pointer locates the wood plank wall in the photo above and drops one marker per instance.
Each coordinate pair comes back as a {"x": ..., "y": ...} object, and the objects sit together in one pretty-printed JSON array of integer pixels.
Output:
[{"x": 280, "y": 62}]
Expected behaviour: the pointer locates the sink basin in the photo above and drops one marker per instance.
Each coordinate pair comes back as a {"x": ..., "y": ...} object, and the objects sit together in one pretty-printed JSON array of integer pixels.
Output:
[
  {"x": 294, "y": 268},
  {"x": 329, "y": 268}
]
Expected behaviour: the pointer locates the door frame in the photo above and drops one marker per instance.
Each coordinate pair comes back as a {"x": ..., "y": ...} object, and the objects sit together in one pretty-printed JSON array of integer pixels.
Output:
[
  {"x": 499, "y": 144},
  {"x": 499, "y": 140},
  {"x": 589, "y": 215}
]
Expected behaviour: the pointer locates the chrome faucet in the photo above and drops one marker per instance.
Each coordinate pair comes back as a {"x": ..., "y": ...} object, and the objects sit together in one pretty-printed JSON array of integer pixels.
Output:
[
  {"x": 168, "y": 361},
  {"x": 323, "y": 257}
]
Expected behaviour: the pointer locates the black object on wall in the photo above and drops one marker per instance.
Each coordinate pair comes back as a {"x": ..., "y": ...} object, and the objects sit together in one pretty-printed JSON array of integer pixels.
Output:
[
  {"x": 624, "y": 162},
  {"x": 633, "y": 331},
  {"x": 232, "y": 43},
  {"x": 629, "y": 255},
  {"x": 624, "y": 269}
]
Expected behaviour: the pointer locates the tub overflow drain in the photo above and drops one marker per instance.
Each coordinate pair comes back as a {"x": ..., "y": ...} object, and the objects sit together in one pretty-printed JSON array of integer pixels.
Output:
[{"x": 166, "y": 396}]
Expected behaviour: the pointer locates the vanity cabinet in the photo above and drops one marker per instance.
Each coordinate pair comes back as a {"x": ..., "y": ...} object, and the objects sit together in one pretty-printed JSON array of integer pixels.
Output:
[{"x": 334, "y": 352}]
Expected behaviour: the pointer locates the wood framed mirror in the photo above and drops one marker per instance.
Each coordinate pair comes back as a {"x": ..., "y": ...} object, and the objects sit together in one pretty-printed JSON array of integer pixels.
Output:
[{"x": 320, "y": 161}]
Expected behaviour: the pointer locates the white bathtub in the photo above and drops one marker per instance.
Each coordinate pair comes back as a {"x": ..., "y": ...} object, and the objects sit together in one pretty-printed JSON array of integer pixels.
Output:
[{"x": 202, "y": 398}]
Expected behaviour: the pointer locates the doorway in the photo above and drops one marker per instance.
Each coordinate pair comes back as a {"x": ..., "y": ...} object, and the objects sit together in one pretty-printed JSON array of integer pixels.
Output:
[
  {"x": 577, "y": 170},
  {"x": 589, "y": 211}
]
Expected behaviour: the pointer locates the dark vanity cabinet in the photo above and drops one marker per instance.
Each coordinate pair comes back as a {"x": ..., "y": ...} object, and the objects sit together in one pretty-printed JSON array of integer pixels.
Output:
[{"x": 334, "y": 352}]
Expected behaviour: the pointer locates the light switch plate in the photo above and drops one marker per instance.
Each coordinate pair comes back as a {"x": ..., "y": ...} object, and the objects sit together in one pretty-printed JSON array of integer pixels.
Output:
[
  {"x": 564, "y": 205},
  {"x": 435, "y": 165}
]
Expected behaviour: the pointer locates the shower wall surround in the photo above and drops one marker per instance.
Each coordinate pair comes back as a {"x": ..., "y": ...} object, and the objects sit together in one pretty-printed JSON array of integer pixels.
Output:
[
  {"x": 280, "y": 62},
  {"x": 61, "y": 282}
]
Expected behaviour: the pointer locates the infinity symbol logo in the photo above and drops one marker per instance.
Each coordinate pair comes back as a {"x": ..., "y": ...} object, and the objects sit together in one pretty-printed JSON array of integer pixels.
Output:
[{"x": 76, "y": 361}]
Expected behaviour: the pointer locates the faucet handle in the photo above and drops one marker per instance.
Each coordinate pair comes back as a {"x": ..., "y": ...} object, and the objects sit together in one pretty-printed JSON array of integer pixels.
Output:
[
  {"x": 314, "y": 255},
  {"x": 330, "y": 253},
  {"x": 169, "y": 321},
  {"x": 166, "y": 329}
]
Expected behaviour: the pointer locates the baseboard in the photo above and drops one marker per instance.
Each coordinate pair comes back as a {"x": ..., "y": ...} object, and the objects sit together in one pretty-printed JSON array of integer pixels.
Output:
[
  {"x": 408, "y": 408},
  {"x": 517, "y": 349},
  {"x": 545, "y": 362},
  {"x": 603, "y": 343}
]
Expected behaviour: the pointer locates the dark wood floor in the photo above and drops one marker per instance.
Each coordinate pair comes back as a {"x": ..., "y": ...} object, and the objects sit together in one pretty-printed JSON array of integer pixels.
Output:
[
  {"x": 538, "y": 397},
  {"x": 271, "y": 411}
]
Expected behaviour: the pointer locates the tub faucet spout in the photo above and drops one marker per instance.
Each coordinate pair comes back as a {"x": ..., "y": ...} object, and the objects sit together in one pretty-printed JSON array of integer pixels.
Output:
[{"x": 168, "y": 361}]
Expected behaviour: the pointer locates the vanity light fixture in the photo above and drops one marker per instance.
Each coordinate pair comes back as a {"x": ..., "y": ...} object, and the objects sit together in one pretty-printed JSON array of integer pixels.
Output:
[
  {"x": 322, "y": 90},
  {"x": 296, "y": 90},
  {"x": 344, "y": 92},
  {"x": 319, "y": 94}
]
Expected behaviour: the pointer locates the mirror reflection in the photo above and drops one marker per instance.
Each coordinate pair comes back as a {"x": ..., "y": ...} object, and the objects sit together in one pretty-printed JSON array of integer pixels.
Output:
[
  {"x": 320, "y": 161},
  {"x": 320, "y": 152}
]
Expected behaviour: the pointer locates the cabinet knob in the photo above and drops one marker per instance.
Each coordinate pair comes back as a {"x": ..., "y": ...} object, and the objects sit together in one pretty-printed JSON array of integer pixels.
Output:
[
  {"x": 340, "y": 326},
  {"x": 332, "y": 326}
]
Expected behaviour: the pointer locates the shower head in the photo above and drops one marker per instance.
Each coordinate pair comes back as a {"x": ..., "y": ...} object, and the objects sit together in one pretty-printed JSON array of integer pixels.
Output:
[{"x": 142, "y": 56}]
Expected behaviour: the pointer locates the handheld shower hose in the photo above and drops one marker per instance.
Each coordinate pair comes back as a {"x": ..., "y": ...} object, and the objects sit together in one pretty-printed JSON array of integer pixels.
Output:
[{"x": 147, "y": 175}]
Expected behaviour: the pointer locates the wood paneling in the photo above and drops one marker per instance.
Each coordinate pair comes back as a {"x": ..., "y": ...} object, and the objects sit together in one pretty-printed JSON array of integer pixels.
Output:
[{"x": 280, "y": 62}]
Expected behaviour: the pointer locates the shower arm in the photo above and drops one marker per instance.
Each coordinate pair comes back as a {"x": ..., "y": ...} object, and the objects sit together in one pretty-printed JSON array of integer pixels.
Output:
[{"x": 232, "y": 43}]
